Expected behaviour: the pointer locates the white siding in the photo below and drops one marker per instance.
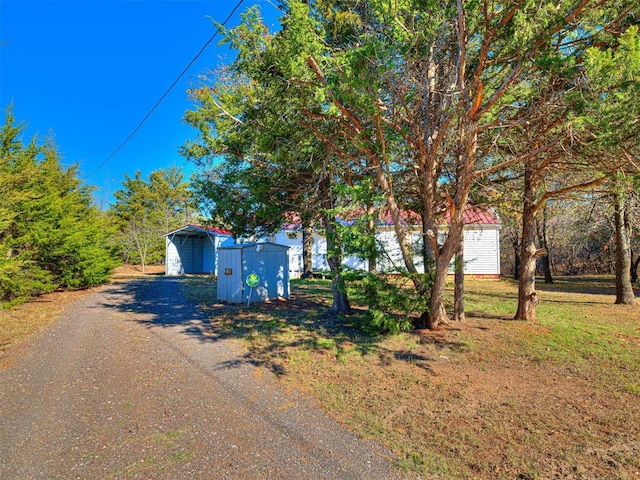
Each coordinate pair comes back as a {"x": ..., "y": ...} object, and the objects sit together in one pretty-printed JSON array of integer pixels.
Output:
[
  {"x": 293, "y": 240},
  {"x": 391, "y": 259},
  {"x": 173, "y": 264},
  {"x": 481, "y": 250},
  {"x": 319, "y": 252}
]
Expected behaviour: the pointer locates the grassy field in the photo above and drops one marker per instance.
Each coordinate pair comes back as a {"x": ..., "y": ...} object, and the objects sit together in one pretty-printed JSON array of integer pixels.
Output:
[{"x": 490, "y": 398}]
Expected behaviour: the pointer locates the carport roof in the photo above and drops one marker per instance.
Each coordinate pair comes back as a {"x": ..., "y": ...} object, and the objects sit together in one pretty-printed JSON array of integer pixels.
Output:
[{"x": 199, "y": 230}]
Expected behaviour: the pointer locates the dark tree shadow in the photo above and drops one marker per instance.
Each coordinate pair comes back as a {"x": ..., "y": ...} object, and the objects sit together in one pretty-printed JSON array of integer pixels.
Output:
[
  {"x": 164, "y": 302},
  {"x": 159, "y": 301},
  {"x": 588, "y": 284}
]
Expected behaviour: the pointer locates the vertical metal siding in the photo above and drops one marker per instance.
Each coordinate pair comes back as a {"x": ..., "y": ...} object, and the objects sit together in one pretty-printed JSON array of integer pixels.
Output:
[
  {"x": 230, "y": 287},
  {"x": 173, "y": 265},
  {"x": 271, "y": 264},
  {"x": 192, "y": 250},
  {"x": 186, "y": 254},
  {"x": 208, "y": 255},
  {"x": 198, "y": 244}
]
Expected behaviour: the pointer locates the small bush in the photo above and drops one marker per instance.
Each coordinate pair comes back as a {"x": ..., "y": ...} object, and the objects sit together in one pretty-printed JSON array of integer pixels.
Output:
[{"x": 392, "y": 301}]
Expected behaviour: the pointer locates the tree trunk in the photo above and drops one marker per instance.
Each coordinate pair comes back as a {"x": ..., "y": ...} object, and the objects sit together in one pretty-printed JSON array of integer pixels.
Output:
[
  {"x": 542, "y": 240},
  {"x": 307, "y": 251},
  {"x": 527, "y": 296},
  {"x": 624, "y": 287},
  {"x": 437, "y": 313},
  {"x": 371, "y": 231},
  {"x": 340, "y": 303},
  {"x": 458, "y": 301},
  {"x": 427, "y": 251},
  {"x": 546, "y": 268},
  {"x": 634, "y": 269}
]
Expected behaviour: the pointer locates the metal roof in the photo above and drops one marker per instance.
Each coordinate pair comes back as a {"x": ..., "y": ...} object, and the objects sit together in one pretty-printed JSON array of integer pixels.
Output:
[
  {"x": 480, "y": 215},
  {"x": 200, "y": 230},
  {"x": 473, "y": 215}
]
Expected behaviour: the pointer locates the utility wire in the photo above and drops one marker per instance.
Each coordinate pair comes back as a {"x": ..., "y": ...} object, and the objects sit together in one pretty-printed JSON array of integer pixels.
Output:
[{"x": 164, "y": 95}]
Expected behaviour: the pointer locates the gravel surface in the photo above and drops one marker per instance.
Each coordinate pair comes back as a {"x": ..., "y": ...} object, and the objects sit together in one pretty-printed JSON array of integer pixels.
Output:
[{"x": 126, "y": 384}]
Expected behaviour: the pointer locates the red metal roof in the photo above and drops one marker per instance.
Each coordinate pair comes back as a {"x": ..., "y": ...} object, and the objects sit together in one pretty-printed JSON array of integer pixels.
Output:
[
  {"x": 193, "y": 228},
  {"x": 218, "y": 230},
  {"x": 480, "y": 215},
  {"x": 473, "y": 215}
]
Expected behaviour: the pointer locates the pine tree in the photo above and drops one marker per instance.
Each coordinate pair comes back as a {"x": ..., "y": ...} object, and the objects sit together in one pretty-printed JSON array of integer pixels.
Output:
[{"x": 51, "y": 234}]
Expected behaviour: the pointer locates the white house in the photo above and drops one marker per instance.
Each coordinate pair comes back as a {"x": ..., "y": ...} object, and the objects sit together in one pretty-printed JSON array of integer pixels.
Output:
[
  {"x": 193, "y": 249},
  {"x": 481, "y": 246}
]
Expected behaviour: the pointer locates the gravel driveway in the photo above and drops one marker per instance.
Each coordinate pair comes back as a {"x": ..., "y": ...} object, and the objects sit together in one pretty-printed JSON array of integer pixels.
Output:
[{"x": 126, "y": 385}]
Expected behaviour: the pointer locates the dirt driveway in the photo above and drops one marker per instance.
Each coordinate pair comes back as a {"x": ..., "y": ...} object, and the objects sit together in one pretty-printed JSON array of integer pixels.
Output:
[{"x": 126, "y": 384}]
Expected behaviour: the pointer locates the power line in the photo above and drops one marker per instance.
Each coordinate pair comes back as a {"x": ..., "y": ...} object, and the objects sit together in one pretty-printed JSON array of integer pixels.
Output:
[{"x": 164, "y": 95}]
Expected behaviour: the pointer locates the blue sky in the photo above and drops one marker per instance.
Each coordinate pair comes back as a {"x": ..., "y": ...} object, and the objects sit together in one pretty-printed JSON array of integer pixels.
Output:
[{"x": 88, "y": 71}]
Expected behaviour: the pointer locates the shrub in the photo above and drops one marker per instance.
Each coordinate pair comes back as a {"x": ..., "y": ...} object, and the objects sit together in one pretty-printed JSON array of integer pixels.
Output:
[{"x": 392, "y": 301}]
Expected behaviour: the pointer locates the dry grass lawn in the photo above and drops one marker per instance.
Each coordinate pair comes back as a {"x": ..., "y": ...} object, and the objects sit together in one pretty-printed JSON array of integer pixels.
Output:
[{"x": 488, "y": 399}]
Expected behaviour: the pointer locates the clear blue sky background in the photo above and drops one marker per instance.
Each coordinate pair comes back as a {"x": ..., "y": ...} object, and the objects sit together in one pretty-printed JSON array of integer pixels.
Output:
[{"x": 88, "y": 71}]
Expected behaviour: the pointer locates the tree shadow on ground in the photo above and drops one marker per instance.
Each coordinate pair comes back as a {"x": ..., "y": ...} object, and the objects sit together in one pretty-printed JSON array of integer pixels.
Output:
[
  {"x": 303, "y": 323},
  {"x": 158, "y": 301},
  {"x": 271, "y": 330},
  {"x": 483, "y": 314},
  {"x": 602, "y": 286},
  {"x": 587, "y": 284}
]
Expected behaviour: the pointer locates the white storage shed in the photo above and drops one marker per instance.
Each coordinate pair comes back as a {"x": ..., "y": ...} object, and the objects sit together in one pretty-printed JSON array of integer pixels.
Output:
[
  {"x": 193, "y": 249},
  {"x": 268, "y": 265}
]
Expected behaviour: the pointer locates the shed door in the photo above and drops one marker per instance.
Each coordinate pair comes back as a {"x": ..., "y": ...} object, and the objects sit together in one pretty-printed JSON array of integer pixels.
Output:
[{"x": 230, "y": 278}]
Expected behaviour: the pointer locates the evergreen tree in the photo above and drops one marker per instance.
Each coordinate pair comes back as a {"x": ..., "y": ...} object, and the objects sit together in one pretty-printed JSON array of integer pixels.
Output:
[
  {"x": 613, "y": 77},
  {"x": 427, "y": 99},
  {"x": 51, "y": 234}
]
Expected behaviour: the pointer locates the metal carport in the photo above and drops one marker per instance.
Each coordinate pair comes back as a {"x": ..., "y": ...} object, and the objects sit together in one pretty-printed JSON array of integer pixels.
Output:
[{"x": 193, "y": 249}]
